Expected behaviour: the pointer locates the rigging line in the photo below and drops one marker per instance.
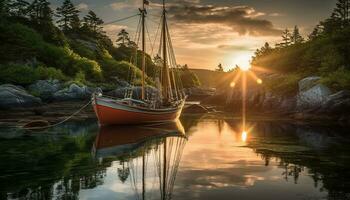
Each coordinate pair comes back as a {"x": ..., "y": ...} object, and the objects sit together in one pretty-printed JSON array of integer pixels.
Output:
[{"x": 119, "y": 20}]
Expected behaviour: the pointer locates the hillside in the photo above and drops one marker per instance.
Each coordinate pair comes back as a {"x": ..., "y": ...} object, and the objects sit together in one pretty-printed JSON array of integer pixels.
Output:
[{"x": 35, "y": 47}]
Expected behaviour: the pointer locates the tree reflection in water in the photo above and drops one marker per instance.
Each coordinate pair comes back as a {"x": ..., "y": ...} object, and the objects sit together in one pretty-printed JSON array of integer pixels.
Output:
[{"x": 320, "y": 151}]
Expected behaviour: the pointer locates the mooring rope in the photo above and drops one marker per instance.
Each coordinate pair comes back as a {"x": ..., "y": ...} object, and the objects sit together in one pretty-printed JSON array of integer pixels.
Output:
[{"x": 58, "y": 123}]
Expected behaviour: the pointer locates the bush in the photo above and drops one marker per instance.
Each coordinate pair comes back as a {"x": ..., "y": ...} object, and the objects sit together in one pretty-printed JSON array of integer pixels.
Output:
[
  {"x": 25, "y": 75},
  {"x": 121, "y": 69},
  {"x": 189, "y": 79},
  {"x": 284, "y": 84},
  {"x": 339, "y": 79}
]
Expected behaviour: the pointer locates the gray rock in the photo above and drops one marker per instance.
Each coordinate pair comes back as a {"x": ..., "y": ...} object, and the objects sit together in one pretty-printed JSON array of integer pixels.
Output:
[
  {"x": 73, "y": 92},
  {"x": 45, "y": 88},
  {"x": 338, "y": 103},
  {"x": 307, "y": 83},
  {"x": 314, "y": 97},
  {"x": 12, "y": 96}
]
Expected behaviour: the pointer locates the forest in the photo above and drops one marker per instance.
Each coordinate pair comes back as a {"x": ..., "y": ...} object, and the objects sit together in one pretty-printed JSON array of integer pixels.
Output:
[
  {"x": 325, "y": 53},
  {"x": 39, "y": 43}
]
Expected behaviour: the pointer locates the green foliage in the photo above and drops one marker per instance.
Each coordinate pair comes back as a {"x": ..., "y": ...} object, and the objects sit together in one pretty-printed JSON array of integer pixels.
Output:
[
  {"x": 189, "y": 79},
  {"x": 121, "y": 69},
  {"x": 25, "y": 75},
  {"x": 338, "y": 79},
  {"x": 284, "y": 84},
  {"x": 68, "y": 17}
]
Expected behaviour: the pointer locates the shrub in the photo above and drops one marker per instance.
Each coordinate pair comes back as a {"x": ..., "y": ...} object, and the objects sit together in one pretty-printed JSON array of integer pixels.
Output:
[
  {"x": 339, "y": 79},
  {"x": 284, "y": 84},
  {"x": 25, "y": 75},
  {"x": 121, "y": 69}
]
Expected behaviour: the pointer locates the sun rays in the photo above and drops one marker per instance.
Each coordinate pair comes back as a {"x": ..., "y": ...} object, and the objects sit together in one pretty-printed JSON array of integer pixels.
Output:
[{"x": 243, "y": 72}]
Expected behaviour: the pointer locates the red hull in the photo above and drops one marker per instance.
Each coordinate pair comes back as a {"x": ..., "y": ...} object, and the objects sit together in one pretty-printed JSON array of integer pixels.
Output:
[{"x": 113, "y": 113}]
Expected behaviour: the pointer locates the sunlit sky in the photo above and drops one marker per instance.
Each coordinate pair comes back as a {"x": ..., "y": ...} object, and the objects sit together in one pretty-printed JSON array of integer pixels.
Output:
[{"x": 208, "y": 32}]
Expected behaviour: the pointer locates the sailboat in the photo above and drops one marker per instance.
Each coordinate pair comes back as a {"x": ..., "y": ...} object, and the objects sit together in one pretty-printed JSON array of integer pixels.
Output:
[
  {"x": 166, "y": 106},
  {"x": 152, "y": 153}
]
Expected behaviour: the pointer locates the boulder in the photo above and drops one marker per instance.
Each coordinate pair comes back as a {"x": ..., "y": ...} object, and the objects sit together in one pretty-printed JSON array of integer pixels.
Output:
[
  {"x": 311, "y": 93},
  {"x": 45, "y": 89},
  {"x": 313, "y": 97},
  {"x": 73, "y": 92},
  {"x": 338, "y": 103},
  {"x": 307, "y": 83},
  {"x": 12, "y": 96}
]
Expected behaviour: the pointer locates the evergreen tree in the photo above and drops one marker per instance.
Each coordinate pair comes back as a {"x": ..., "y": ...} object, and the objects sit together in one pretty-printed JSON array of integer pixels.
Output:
[
  {"x": 342, "y": 12},
  {"x": 286, "y": 39},
  {"x": 18, "y": 8},
  {"x": 219, "y": 68},
  {"x": 4, "y": 8},
  {"x": 68, "y": 17},
  {"x": 40, "y": 12},
  {"x": 123, "y": 38},
  {"x": 318, "y": 30},
  {"x": 296, "y": 38},
  {"x": 92, "y": 22}
]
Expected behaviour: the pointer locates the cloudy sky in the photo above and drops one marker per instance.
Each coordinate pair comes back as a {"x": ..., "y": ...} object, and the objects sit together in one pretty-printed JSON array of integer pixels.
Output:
[{"x": 208, "y": 32}]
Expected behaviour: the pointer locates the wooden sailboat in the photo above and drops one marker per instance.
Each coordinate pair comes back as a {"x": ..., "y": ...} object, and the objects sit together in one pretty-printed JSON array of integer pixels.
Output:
[{"x": 146, "y": 110}]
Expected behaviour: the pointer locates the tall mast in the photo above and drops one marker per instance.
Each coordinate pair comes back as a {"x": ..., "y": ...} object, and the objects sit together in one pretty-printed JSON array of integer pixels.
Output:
[
  {"x": 166, "y": 78},
  {"x": 143, "y": 16}
]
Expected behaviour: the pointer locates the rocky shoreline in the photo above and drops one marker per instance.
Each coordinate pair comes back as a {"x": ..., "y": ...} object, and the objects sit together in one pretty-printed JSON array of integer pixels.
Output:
[{"x": 53, "y": 101}]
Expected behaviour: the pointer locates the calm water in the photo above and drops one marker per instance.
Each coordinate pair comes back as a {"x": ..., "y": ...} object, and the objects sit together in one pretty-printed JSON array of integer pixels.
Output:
[{"x": 203, "y": 157}]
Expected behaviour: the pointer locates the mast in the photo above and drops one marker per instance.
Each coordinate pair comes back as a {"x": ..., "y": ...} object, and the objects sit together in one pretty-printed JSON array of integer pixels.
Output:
[
  {"x": 143, "y": 16},
  {"x": 166, "y": 79}
]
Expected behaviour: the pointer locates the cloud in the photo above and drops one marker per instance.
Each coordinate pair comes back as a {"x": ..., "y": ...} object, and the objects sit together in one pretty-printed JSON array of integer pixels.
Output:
[
  {"x": 112, "y": 30},
  {"x": 127, "y": 4},
  {"x": 235, "y": 47},
  {"x": 243, "y": 20},
  {"x": 82, "y": 6}
]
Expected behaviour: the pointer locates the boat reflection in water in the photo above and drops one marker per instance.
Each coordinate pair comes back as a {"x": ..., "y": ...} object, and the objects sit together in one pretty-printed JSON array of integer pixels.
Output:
[{"x": 151, "y": 154}]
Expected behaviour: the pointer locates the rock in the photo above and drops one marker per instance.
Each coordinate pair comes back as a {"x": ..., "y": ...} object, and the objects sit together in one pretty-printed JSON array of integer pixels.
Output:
[
  {"x": 73, "y": 92},
  {"x": 195, "y": 109},
  {"x": 45, "y": 89},
  {"x": 288, "y": 104},
  {"x": 314, "y": 97},
  {"x": 13, "y": 96},
  {"x": 338, "y": 103},
  {"x": 308, "y": 83}
]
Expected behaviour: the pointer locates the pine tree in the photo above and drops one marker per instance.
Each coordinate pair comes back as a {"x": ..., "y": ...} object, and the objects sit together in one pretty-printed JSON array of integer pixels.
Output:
[
  {"x": 296, "y": 38},
  {"x": 342, "y": 12},
  {"x": 18, "y": 8},
  {"x": 40, "y": 12},
  {"x": 286, "y": 39},
  {"x": 219, "y": 68},
  {"x": 92, "y": 22},
  {"x": 318, "y": 30},
  {"x": 68, "y": 16},
  {"x": 4, "y": 8},
  {"x": 123, "y": 38}
]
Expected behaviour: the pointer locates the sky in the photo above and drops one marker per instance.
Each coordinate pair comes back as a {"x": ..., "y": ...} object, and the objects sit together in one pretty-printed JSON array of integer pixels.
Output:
[{"x": 208, "y": 32}]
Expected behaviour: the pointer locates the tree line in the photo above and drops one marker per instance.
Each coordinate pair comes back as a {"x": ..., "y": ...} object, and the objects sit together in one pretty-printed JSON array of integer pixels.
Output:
[{"x": 324, "y": 52}]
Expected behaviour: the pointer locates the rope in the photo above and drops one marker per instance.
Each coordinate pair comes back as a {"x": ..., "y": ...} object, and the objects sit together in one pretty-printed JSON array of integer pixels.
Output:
[
  {"x": 58, "y": 123},
  {"x": 119, "y": 20}
]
